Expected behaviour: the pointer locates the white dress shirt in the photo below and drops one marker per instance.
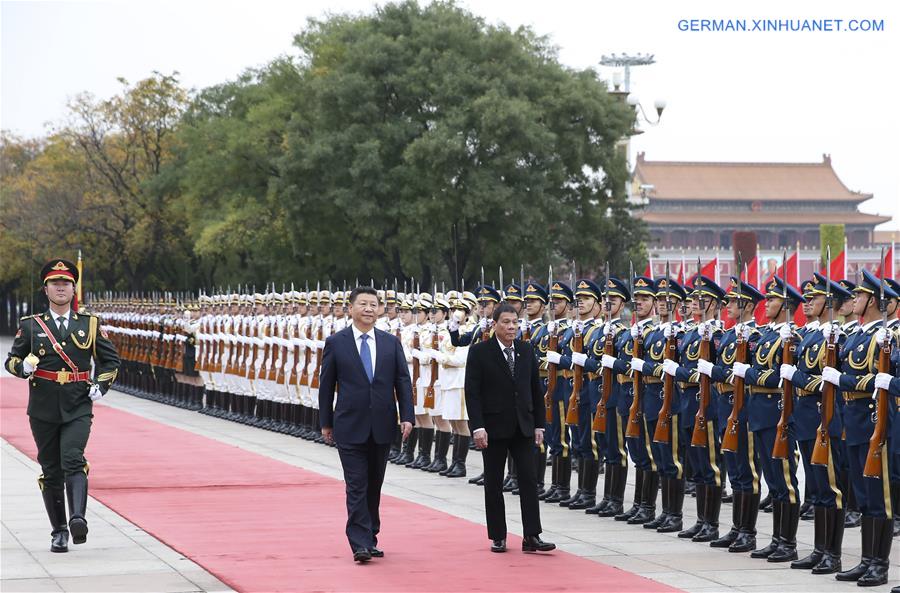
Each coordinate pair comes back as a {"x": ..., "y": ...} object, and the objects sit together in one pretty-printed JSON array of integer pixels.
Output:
[
  {"x": 56, "y": 318},
  {"x": 357, "y": 338}
]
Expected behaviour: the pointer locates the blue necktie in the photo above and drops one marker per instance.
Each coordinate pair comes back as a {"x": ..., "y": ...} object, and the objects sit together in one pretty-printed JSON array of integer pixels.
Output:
[{"x": 366, "y": 357}]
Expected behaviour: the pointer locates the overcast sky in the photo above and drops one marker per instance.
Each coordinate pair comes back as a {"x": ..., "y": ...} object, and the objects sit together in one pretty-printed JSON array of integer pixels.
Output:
[{"x": 732, "y": 96}]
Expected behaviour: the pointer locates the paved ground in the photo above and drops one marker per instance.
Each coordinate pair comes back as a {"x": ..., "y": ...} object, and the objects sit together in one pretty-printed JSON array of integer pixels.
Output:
[{"x": 120, "y": 557}]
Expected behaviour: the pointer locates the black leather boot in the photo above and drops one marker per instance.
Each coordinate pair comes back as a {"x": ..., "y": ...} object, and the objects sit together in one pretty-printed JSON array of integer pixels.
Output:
[
  {"x": 459, "y": 468},
  {"x": 852, "y": 515},
  {"x": 776, "y": 535},
  {"x": 765, "y": 505},
  {"x": 636, "y": 502},
  {"x": 454, "y": 454},
  {"x": 511, "y": 482},
  {"x": 834, "y": 539},
  {"x": 877, "y": 573},
  {"x": 728, "y": 539},
  {"x": 77, "y": 494},
  {"x": 423, "y": 459},
  {"x": 895, "y": 505},
  {"x": 746, "y": 539},
  {"x": 55, "y": 503},
  {"x": 607, "y": 483},
  {"x": 790, "y": 519},
  {"x": 409, "y": 448},
  {"x": 441, "y": 446},
  {"x": 577, "y": 495},
  {"x": 649, "y": 492},
  {"x": 554, "y": 479},
  {"x": 868, "y": 551},
  {"x": 618, "y": 474},
  {"x": 666, "y": 506},
  {"x": 807, "y": 513},
  {"x": 674, "y": 517},
  {"x": 820, "y": 537},
  {"x": 690, "y": 532},
  {"x": 396, "y": 445},
  {"x": 710, "y": 530},
  {"x": 588, "y": 499},
  {"x": 540, "y": 468},
  {"x": 564, "y": 477}
]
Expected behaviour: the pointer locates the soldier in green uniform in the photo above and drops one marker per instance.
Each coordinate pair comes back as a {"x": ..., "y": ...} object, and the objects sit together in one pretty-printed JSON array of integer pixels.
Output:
[{"x": 53, "y": 351}]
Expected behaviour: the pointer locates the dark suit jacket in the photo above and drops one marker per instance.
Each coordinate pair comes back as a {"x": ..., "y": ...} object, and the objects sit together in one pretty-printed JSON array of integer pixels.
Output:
[
  {"x": 364, "y": 408},
  {"x": 503, "y": 405},
  {"x": 83, "y": 341}
]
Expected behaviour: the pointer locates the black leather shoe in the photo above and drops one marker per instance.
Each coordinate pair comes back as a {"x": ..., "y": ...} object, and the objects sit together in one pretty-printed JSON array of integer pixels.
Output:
[
  {"x": 60, "y": 541},
  {"x": 362, "y": 556},
  {"x": 376, "y": 553},
  {"x": 852, "y": 519},
  {"x": 474, "y": 479},
  {"x": 767, "y": 551},
  {"x": 498, "y": 545},
  {"x": 533, "y": 543}
]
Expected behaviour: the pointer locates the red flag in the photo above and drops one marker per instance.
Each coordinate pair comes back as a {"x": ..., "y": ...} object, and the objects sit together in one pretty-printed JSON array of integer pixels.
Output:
[
  {"x": 709, "y": 270},
  {"x": 792, "y": 279},
  {"x": 887, "y": 263},
  {"x": 648, "y": 271},
  {"x": 838, "y": 267}
]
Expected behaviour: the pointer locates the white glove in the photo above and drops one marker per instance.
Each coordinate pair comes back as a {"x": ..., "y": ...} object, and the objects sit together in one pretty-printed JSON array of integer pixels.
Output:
[
  {"x": 785, "y": 331},
  {"x": 635, "y": 331},
  {"x": 578, "y": 326},
  {"x": 637, "y": 365},
  {"x": 740, "y": 369},
  {"x": 701, "y": 328},
  {"x": 605, "y": 329},
  {"x": 553, "y": 357},
  {"x": 668, "y": 330},
  {"x": 483, "y": 324},
  {"x": 881, "y": 336},
  {"x": 608, "y": 361},
  {"x": 551, "y": 327},
  {"x": 787, "y": 372},
  {"x": 579, "y": 358},
  {"x": 95, "y": 393},
  {"x": 523, "y": 325},
  {"x": 832, "y": 375},
  {"x": 705, "y": 367},
  {"x": 422, "y": 356},
  {"x": 670, "y": 367},
  {"x": 320, "y": 345},
  {"x": 27, "y": 367},
  {"x": 883, "y": 381},
  {"x": 832, "y": 329},
  {"x": 453, "y": 324},
  {"x": 744, "y": 331}
]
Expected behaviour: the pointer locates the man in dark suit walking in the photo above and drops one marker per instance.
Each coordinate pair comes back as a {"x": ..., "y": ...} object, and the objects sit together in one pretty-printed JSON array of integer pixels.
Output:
[
  {"x": 370, "y": 367},
  {"x": 505, "y": 403}
]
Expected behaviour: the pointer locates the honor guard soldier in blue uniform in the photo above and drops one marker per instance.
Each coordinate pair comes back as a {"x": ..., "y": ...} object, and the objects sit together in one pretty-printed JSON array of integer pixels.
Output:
[
  {"x": 762, "y": 375},
  {"x": 587, "y": 300},
  {"x": 558, "y": 437},
  {"x": 740, "y": 462},
  {"x": 54, "y": 351},
  {"x": 643, "y": 509},
  {"x": 614, "y": 331},
  {"x": 822, "y": 297},
  {"x": 852, "y": 515},
  {"x": 705, "y": 460},
  {"x": 535, "y": 330},
  {"x": 855, "y": 378},
  {"x": 669, "y": 295}
]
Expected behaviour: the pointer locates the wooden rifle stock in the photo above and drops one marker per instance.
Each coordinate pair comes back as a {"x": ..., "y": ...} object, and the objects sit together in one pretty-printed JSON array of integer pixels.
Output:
[
  {"x": 314, "y": 381},
  {"x": 577, "y": 382},
  {"x": 874, "y": 458},
  {"x": 552, "y": 344},
  {"x": 415, "y": 373},
  {"x": 599, "y": 423},
  {"x": 732, "y": 425},
  {"x": 429, "y": 393},
  {"x": 822, "y": 444},
  {"x": 780, "y": 449},
  {"x": 304, "y": 372},
  {"x": 700, "y": 436},
  {"x": 635, "y": 414},
  {"x": 663, "y": 432}
]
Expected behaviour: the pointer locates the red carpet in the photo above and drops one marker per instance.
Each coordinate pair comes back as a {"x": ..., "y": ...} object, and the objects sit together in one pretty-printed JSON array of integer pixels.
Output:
[{"x": 262, "y": 525}]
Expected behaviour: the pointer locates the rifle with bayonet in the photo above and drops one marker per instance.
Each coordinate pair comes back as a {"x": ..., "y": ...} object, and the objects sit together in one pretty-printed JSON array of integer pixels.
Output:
[
  {"x": 782, "y": 430},
  {"x": 552, "y": 345},
  {"x": 700, "y": 436},
  {"x": 429, "y": 393},
  {"x": 730, "y": 441},
  {"x": 663, "y": 432},
  {"x": 876, "y": 464},
  {"x": 821, "y": 446},
  {"x": 606, "y": 374},
  {"x": 635, "y": 413}
]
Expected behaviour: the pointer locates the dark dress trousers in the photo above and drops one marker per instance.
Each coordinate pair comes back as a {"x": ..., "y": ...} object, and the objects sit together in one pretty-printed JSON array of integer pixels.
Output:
[
  {"x": 364, "y": 421},
  {"x": 509, "y": 408}
]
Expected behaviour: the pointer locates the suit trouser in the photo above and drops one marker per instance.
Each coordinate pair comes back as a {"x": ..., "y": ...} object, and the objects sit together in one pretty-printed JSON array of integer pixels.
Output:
[
  {"x": 60, "y": 448},
  {"x": 521, "y": 448},
  {"x": 364, "y": 465}
]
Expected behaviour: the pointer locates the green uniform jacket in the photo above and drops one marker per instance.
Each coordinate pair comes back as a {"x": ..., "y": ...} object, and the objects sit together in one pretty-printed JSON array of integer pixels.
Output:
[{"x": 84, "y": 340}]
